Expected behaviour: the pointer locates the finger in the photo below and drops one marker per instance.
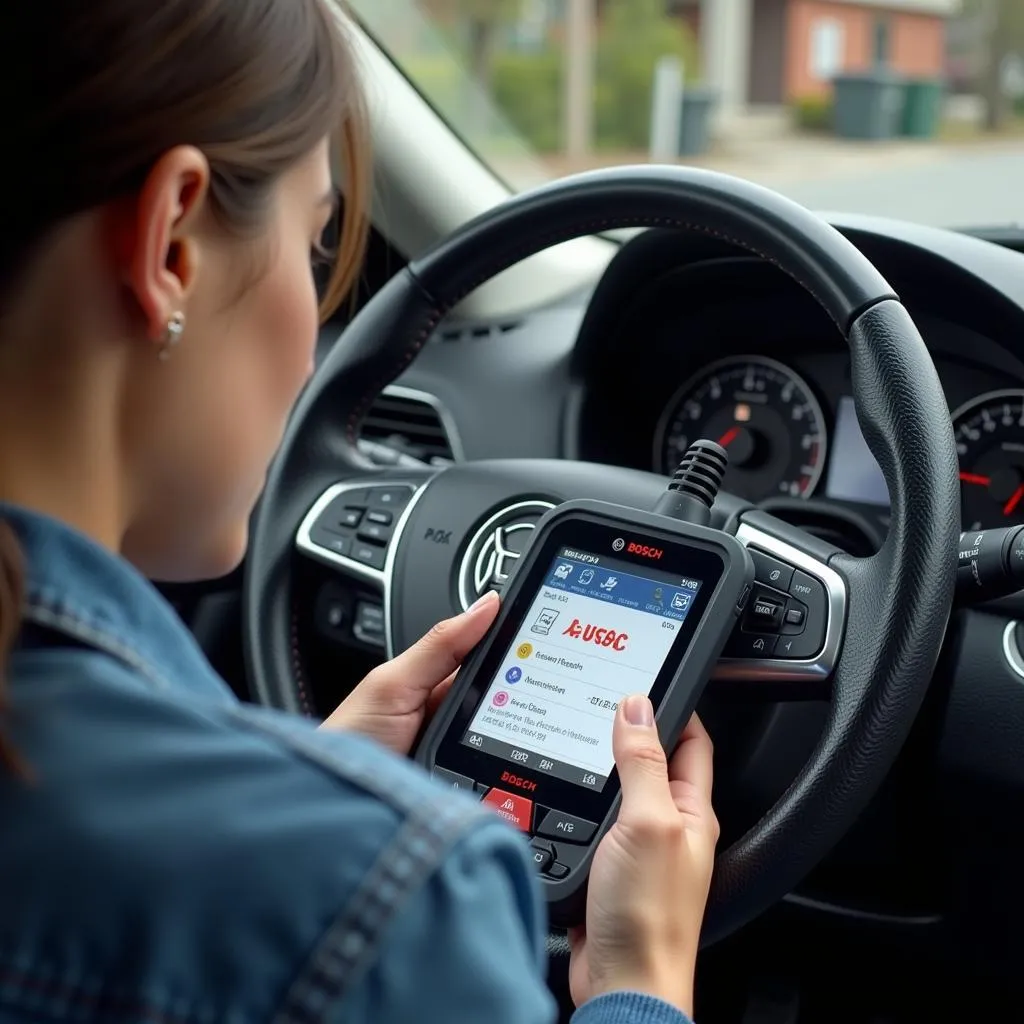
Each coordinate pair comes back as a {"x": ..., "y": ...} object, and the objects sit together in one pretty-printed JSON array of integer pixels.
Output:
[
  {"x": 643, "y": 770},
  {"x": 437, "y": 655},
  {"x": 438, "y": 694},
  {"x": 693, "y": 760}
]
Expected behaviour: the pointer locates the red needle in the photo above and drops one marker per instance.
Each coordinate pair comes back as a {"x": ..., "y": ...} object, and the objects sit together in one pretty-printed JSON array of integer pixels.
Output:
[
  {"x": 1014, "y": 501},
  {"x": 729, "y": 436},
  {"x": 975, "y": 478}
]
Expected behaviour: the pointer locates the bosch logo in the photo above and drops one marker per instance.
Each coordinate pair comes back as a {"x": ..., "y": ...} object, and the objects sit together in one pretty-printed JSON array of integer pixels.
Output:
[
  {"x": 596, "y": 635},
  {"x": 618, "y": 544},
  {"x": 645, "y": 551},
  {"x": 517, "y": 780}
]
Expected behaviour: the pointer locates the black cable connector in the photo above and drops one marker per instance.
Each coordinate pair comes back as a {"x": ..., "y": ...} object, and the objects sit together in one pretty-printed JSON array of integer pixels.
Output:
[{"x": 696, "y": 483}]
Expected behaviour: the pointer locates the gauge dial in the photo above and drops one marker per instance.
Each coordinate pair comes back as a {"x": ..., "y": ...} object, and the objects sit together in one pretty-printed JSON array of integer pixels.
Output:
[
  {"x": 762, "y": 413},
  {"x": 989, "y": 434}
]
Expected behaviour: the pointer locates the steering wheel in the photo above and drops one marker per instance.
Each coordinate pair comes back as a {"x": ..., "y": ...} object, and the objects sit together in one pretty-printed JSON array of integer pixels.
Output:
[{"x": 873, "y": 627}]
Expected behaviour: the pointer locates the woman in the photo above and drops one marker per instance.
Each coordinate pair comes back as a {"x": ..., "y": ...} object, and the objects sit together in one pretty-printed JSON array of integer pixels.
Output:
[{"x": 168, "y": 854}]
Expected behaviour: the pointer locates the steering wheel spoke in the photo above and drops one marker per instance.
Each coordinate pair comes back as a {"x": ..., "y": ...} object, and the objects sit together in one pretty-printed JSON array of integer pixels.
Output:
[{"x": 355, "y": 528}]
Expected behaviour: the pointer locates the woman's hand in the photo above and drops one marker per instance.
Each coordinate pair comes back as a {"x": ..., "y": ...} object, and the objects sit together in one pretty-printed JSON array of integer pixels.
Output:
[
  {"x": 652, "y": 871},
  {"x": 392, "y": 702}
]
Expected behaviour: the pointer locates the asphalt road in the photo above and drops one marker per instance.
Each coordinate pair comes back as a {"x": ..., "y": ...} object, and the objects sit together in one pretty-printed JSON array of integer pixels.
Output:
[{"x": 959, "y": 187}]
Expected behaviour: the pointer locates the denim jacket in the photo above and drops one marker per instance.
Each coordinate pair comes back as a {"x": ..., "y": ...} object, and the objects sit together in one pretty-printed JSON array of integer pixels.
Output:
[{"x": 179, "y": 857}]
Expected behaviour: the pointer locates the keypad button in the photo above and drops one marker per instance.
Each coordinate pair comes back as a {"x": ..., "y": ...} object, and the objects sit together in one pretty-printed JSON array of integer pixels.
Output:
[
  {"x": 515, "y": 809},
  {"x": 557, "y": 825},
  {"x": 380, "y": 517},
  {"x": 454, "y": 780},
  {"x": 543, "y": 854}
]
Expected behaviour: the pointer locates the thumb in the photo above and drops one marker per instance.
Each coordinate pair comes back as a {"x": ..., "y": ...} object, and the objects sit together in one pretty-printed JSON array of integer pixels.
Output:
[
  {"x": 438, "y": 654},
  {"x": 641, "y": 761}
]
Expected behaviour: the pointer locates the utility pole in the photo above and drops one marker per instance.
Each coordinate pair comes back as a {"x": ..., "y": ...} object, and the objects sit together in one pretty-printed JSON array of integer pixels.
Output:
[{"x": 579, "y": 78}]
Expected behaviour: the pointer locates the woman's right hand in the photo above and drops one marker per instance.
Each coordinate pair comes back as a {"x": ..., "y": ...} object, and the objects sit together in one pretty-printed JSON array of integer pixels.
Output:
[{"x": 652, "y": 871}]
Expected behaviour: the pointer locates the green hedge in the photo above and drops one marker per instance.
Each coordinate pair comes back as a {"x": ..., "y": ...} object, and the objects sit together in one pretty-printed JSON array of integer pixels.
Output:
[
  {"x": 528, "y": 87},
  {"x": 814, "y": 113}
]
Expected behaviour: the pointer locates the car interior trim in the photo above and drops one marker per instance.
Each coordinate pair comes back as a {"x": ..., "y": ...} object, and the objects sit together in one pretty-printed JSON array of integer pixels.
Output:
[
  {"x": 379, "y": 578},
  {"x": 823, "y": 664}
]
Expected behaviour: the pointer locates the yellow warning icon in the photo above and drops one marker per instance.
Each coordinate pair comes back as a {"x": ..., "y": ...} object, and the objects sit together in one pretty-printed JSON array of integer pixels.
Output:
[{"x": 524, "y": 650}]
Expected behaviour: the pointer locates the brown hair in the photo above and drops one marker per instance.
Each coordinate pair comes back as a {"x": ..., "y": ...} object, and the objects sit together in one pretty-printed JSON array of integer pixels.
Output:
[{"x": 98, "y": 91}]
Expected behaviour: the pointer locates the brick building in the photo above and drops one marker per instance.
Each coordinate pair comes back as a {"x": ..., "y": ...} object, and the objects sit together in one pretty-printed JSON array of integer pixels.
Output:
[{"x": 775, "y": 51}]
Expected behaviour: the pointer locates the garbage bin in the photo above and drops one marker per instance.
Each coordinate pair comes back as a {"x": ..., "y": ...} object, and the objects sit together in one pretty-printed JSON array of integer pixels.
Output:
[
  {"x": 922, "y": 107},
  {"x": 695, "y": 120},
  {"x": 868, "y": 105}
]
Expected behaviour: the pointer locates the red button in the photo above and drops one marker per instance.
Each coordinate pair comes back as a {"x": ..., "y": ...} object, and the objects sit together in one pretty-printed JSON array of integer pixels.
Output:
[{"x": 516, "y": 810}]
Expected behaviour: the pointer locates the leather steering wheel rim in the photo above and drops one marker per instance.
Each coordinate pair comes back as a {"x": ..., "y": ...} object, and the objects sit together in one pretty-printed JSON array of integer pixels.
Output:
[{"x": 899, "y": 600}]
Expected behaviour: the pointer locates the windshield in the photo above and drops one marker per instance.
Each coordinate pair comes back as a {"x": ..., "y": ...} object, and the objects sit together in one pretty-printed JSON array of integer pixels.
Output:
[{"x": 903, "y": 108}]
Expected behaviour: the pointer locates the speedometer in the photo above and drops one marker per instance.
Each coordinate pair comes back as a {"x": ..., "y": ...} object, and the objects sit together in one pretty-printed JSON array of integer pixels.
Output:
[
  {"x": 989, "y": 433},
  {"x": 762, "y": 413}
]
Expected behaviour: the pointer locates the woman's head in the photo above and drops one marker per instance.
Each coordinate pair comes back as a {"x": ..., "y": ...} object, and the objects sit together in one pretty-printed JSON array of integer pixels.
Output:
[{"x": 172, "y": 179}]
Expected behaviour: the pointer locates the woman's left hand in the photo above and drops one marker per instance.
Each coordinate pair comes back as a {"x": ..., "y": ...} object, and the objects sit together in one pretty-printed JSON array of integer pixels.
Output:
[{"x": 392, "y": 702}]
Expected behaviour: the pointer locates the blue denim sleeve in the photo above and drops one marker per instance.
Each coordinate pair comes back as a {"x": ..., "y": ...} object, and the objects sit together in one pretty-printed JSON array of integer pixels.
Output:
[
  {"x": 470, "y": 946},
  {"x": 628, "y": 1008},
  {"x": 467, "y": 946}
]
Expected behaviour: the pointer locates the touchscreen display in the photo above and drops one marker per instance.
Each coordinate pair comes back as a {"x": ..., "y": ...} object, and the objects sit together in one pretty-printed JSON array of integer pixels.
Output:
[{"x": 598, "y": 630}]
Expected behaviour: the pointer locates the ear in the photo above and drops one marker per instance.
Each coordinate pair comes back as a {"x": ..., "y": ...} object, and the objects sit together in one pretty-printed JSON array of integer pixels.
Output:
[{"x": 158, "y": 244}]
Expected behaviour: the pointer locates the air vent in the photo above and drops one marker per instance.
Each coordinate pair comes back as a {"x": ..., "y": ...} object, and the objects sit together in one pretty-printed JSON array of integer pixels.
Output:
[
  {"x": 477, "y": 332},
  {"x": 407, "y": 427}
]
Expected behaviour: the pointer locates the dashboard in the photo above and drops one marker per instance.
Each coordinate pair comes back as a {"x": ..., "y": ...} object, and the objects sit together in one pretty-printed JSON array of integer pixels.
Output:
[
  {"x": 685, "y": 337},
  {"x": 736, "y": 352}
]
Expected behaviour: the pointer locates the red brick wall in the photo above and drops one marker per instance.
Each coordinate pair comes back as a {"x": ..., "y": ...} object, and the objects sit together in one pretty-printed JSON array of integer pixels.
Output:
[{"x": 917, "y": 42}]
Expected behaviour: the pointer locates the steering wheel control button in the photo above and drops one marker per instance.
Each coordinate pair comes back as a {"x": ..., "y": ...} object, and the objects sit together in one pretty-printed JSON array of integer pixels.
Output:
[
  {"x": 515, "y": 809},
  {"x": 557, "y": 871},
  {"x": 543, "y": 854},
  {"x": 752, "y": 646},
  {"x": 336, "y": 543},
  {"x": 765, "y": 612},
  {"x": 771, "y": 571},
  {"x": 805, "y": 587},
  {"x": 805, "y": 638},
  {"x": 556, "y": 825},
  {"x": 369, "y": 624},
  {"x": 380, "y": 517},
  {"x": 453, "y": 780},
  {"x": 350, "y": 518},
  {"x": 796, "y": 618},
  {"x": 368, "y": 554},
  {"x": 331, "y": 612},
  {"x": 388, "y": 499},
  {"x": 375, "y": 534}
]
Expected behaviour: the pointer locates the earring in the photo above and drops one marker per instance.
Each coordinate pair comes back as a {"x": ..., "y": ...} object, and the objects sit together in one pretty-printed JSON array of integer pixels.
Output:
[{"x": 172, "y": 335}]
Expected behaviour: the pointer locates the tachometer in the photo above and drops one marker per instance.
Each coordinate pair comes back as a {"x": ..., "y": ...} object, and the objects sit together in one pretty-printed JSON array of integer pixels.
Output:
[
  {"x": 989, "y": 434},
  {"x": 762, "y": 413}
]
